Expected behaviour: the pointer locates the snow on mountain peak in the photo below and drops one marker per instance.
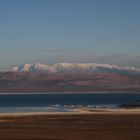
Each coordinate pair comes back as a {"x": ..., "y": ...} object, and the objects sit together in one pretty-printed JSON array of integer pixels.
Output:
[{"x": 74, "y": 67}]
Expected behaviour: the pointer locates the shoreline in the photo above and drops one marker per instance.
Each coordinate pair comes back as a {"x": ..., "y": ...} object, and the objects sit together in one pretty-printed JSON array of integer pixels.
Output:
[{"x": 78, "y": 112}]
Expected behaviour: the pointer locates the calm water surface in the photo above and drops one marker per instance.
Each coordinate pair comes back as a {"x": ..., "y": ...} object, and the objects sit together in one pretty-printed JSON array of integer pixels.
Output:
[{"x": 10, "y": 103}]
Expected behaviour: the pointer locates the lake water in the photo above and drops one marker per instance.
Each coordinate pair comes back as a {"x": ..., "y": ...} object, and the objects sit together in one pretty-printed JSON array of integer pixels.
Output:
[{"x": 11, "y": 103}]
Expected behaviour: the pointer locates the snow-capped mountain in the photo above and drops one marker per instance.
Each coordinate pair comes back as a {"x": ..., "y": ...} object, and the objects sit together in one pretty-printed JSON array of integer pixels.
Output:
[
  {"x": 71, "y": 77},
  {"x": 75, "y": 68}
]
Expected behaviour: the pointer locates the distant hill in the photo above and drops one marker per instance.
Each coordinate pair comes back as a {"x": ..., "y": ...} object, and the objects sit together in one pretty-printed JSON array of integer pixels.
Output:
[
  {"x": 76, "y": 68},
  {"x": 71, "y": 77}
]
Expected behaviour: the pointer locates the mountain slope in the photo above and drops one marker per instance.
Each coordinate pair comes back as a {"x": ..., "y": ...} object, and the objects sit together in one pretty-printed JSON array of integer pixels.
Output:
[
  {"x": 75, "y": 68},
  {"x": 71, "y": 77}
]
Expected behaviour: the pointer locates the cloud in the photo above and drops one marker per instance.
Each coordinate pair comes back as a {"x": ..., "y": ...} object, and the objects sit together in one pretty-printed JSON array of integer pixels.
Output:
[
  {"x": 56, "y": 50},
  {"x": 121, "y": 59},
  {"x": 55, "y": 55}
]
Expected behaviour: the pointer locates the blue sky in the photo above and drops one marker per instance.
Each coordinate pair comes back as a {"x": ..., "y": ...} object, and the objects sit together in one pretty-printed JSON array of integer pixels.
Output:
[{"x": 51, "y": 31}]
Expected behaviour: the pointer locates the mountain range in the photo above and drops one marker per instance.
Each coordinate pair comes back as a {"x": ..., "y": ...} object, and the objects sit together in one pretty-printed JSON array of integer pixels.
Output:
[
  {"x": 71, "y": 77},
  {"x": 75, "y": 68}
]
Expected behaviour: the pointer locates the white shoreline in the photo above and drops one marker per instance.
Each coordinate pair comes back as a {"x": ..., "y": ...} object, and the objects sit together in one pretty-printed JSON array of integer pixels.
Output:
[{"x": 77, "y": 112}]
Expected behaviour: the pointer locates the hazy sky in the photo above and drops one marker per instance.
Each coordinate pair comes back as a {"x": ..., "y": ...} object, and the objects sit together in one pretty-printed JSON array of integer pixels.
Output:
[{"x": 51, "y": 31}]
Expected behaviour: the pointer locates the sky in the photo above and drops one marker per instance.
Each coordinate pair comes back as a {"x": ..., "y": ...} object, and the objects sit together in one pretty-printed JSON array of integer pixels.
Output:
[{"x": 53, "y": 31}]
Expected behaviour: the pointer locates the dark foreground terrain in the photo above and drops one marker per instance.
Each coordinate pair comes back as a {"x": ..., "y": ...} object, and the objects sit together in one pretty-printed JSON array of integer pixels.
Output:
[{"x": 71, "y": 127}]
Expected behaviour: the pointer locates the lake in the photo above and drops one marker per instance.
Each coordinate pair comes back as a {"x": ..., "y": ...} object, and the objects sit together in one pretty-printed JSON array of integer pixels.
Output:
[{"x": 10, "y": 103}]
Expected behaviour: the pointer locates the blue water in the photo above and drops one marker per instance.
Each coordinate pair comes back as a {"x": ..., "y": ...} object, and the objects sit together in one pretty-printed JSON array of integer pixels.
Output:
[{"x": 10, "y": 103}]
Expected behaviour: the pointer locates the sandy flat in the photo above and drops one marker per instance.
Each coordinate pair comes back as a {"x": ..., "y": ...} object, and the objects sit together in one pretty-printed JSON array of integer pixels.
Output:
[{"x": 98, "y": 124}]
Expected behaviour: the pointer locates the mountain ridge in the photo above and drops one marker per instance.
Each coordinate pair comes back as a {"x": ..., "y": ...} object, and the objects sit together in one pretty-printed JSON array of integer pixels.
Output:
[
  {"x": 75, "y": 68},
  {"x": 71, "y": 77}
]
